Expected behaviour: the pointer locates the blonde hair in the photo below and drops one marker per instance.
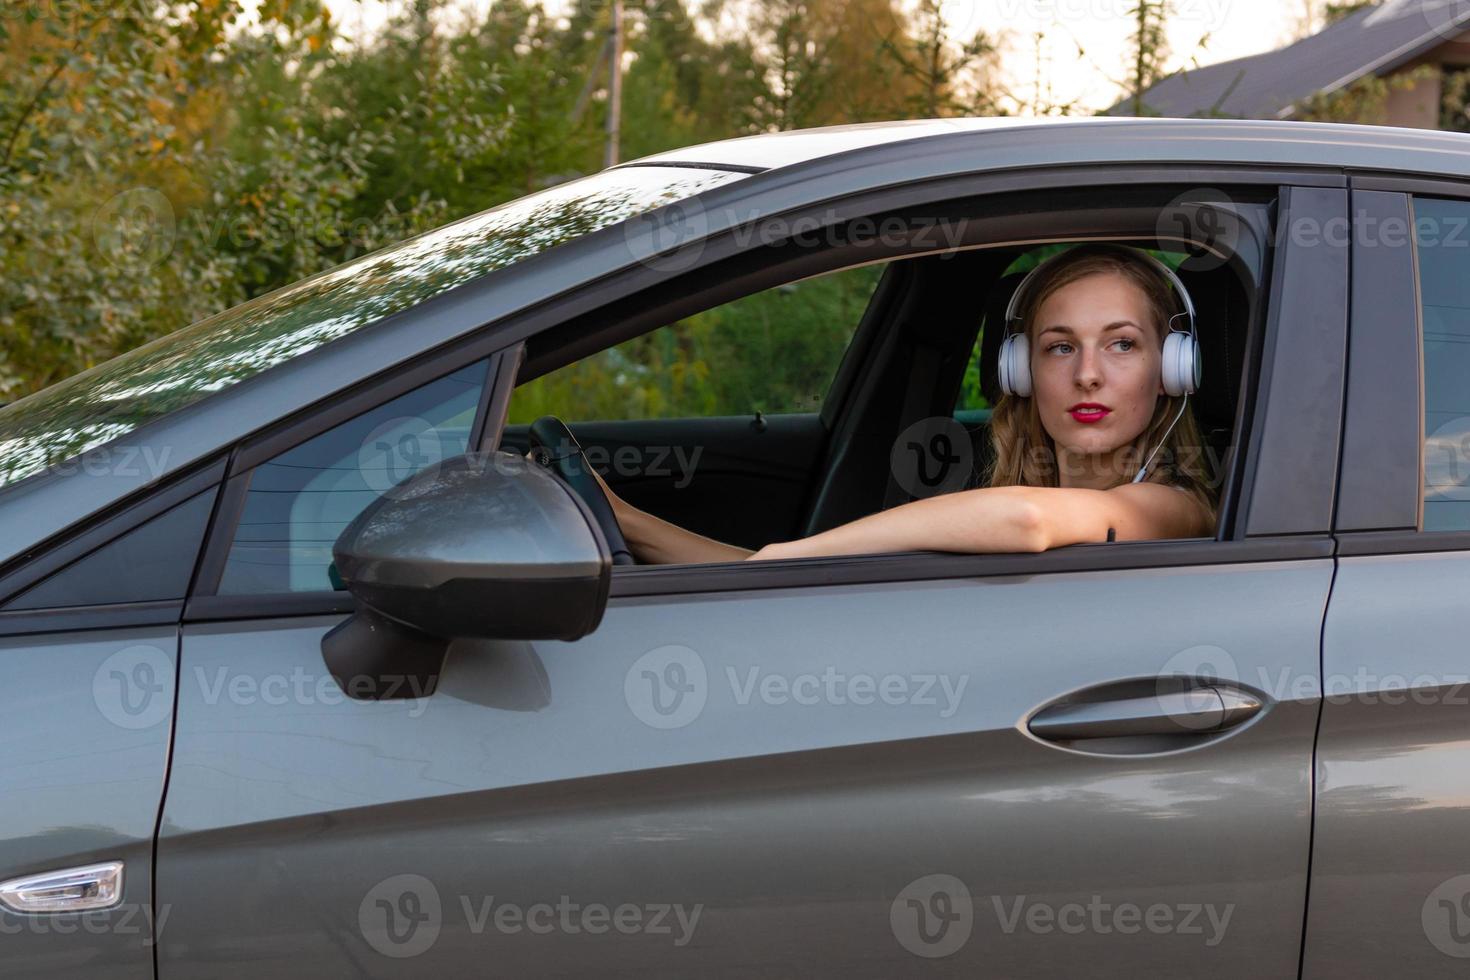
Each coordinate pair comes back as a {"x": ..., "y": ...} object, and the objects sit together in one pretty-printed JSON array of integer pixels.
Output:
[{"x": 1024, "y": 454}]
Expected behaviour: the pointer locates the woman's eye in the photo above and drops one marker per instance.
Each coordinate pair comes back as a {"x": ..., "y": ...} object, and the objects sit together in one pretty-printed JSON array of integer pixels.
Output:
[
  {"x": 1057, "y": 348},
  {"x": 1125, "y": 345}
]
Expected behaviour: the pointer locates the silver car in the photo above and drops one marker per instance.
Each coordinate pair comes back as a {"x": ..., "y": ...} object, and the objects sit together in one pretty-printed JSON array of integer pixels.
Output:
[{"x": 327, "y": 660}]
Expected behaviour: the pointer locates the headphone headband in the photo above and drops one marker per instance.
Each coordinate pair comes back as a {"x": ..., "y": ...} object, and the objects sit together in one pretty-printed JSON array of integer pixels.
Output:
[{"x": 1167, "y": 272}]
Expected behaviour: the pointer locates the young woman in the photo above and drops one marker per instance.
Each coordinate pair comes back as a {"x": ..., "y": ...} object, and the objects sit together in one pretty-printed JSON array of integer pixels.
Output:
[{"x": 1068, "y": 446}]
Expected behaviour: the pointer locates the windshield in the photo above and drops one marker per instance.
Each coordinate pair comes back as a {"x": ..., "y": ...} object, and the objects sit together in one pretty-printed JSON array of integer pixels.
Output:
[{"x": 112, "y": 399}]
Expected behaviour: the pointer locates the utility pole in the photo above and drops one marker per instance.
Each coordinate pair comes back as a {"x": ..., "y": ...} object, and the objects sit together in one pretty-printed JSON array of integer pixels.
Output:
[{"x": 614, "y": 84}]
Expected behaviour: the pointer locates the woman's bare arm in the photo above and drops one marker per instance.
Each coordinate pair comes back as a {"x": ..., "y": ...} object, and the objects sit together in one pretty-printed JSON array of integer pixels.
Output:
[
  {"x": 654, "y": 541},
  {"x": 1000, "y": 519}
]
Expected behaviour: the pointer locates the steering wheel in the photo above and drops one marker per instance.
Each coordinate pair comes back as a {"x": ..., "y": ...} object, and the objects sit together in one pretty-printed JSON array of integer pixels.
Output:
[{"x": 554, "y": 447}]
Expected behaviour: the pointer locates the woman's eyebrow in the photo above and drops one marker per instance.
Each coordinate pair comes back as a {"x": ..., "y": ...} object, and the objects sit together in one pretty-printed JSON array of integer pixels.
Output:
[{"x": 1063, "y": 328}]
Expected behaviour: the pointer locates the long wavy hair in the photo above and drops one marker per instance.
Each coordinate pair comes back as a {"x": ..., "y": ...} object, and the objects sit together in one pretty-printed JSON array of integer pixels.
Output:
[{"x": 1024, "y": 454}]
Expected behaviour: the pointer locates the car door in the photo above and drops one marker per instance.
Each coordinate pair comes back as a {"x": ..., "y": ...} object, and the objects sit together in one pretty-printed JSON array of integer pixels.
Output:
[
  {"x": 1094, "y": 761},
  {"x": 89, "y": 638},
  {"x": 1390, "y": 886}
]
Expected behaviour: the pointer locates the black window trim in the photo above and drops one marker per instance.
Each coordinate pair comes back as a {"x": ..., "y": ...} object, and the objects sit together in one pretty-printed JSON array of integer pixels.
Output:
[
  {"x": 1407, "y": 397},
  {"x": 50, "y": 557}
]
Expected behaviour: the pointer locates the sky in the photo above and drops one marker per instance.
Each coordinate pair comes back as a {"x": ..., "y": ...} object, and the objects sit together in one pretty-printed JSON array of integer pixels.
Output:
[{"x": 1227, "y": 28}]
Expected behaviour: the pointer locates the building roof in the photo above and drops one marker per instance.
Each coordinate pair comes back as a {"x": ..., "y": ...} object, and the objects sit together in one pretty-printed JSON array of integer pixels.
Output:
[{"x": 1371, "y": 41}]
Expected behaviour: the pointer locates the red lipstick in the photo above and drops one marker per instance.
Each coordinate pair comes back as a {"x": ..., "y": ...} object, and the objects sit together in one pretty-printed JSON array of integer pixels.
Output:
[{"x": 1088, "y": 412}]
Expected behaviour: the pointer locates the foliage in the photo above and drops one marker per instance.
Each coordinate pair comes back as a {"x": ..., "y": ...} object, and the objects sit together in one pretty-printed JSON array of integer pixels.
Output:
[
  {"x": 1362, "y": 101},
  {"x": 164, "y": 160},
  {"x": 772, "y": 351}
]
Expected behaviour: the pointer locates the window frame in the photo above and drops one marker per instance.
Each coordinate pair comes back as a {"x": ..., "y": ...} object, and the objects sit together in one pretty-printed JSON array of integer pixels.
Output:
[
  {"x": 1282, "y": 528},
  {"x": 204, "y": 600},
  {"x": 1382, "y": 495},
  {"x": 1271, "y": 429},
  {"x": 80, "y": 542}
]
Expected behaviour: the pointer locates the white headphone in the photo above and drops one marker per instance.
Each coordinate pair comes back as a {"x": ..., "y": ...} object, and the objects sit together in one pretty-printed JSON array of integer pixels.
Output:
[
  {"x": 1181, "y": 367},
  {"x": 1181, "y": 362}
]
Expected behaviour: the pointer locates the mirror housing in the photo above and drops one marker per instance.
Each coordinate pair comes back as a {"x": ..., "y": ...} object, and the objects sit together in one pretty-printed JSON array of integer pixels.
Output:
[{"x": 483, "y": 545}]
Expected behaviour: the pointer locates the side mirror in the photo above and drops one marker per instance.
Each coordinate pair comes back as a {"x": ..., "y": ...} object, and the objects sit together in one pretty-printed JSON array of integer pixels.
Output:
[{"x": 484, "y": 545}]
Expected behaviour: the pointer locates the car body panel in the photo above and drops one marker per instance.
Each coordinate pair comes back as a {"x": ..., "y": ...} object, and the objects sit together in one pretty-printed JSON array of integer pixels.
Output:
[
  {"x": 1390, "y": 889},
  {"x": 85, "y": 719},
  {"x": 547, "y": 769}
]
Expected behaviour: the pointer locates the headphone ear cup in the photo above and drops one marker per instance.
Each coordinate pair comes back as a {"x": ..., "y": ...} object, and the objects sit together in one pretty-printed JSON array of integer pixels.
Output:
[
  {"x": 1015, "y": 365},
  {"x": 1181, "y": 369}
]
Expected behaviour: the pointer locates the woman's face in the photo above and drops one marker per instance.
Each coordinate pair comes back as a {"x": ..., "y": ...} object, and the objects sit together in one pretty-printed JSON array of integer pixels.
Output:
[{"x": 1095, "y": 364}]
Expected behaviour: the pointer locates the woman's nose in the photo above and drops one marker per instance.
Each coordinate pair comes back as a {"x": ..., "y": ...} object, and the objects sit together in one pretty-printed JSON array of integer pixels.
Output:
[{"x": 1088, "y": 372}]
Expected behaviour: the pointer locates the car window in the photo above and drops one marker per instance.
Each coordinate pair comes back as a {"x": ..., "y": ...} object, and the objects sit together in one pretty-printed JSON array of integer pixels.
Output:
[
  {"x": 151, "y": 563},
  {"x": 299, "y": 501},
  {"x": 1442, "y": 239},
  {"x": 775, "y": 352},
  {"x": 107, "y": 402}
]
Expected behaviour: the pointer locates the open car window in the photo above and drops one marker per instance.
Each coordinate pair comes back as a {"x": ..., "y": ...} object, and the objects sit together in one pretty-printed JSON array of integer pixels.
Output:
[{"x": 774, "y": 352}]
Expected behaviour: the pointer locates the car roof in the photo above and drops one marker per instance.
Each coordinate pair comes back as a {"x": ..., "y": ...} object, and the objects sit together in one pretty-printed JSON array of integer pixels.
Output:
[{"x": 772, "y": 151}]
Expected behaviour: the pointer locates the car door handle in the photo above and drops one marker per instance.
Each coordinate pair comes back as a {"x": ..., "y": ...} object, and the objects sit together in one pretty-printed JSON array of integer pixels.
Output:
[{"x": 1200, "y": 711}]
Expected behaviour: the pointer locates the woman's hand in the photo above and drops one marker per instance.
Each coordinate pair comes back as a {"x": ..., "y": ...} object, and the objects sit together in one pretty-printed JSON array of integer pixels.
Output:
[{"x": 619, "y": 505}]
